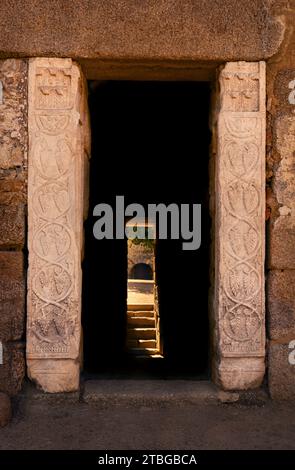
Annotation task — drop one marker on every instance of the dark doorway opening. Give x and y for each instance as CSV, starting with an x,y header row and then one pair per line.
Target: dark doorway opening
x,y
141,271
150,143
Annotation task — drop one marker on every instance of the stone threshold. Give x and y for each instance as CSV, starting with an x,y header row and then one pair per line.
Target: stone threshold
x,y
107,393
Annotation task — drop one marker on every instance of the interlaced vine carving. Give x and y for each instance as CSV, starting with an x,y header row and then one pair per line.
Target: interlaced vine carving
x,y
240,226
54,209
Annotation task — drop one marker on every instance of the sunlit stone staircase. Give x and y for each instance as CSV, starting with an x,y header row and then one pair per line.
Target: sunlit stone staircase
x,y
142,331
142,328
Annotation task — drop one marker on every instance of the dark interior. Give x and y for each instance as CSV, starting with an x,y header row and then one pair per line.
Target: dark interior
x,y
150,143
141,271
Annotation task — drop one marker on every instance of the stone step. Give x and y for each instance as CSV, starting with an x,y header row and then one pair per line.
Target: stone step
x,y
141,322
141,333
141,313
143,352
141,343
133,392
140,307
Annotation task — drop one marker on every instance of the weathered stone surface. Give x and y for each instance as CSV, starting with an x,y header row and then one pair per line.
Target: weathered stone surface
x,y
13,152
281,225
12,296
5,409
12,371
12,227
13,163
10,157
55,375
281,253
282,229
281,374
13,114
13,188
282,91
32,393
109,393
239,227
162,29
55,221
228,397
281,304
139,254
239,373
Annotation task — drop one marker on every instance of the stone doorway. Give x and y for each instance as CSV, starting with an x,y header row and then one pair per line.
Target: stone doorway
x,y
150,143
57,186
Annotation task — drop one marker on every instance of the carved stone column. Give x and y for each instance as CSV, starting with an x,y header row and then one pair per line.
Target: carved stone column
x,y
58,144
239,227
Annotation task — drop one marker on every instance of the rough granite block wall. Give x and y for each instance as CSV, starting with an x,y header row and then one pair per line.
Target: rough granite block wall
x,y
13,203
280,288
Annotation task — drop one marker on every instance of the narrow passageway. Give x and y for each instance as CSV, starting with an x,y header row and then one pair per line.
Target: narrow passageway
x,y
150,143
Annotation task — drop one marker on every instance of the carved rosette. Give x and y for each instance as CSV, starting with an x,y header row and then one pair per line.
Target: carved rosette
x,y
240,211
55,209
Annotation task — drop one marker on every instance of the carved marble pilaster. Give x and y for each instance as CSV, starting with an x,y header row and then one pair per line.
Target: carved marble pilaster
x,y
58,131
239,226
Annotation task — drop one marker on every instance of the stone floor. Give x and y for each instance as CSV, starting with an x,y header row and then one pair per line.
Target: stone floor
x,y
182,416
140,292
